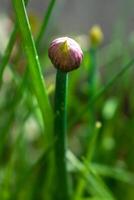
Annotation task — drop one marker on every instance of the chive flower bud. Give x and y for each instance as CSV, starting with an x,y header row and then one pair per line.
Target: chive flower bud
x,y
96,35
65,54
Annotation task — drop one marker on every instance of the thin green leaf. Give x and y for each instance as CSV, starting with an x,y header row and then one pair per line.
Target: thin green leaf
x,y
37,80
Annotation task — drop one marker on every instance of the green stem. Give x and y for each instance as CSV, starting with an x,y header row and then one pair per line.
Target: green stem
x,y
92,72
92,84
62,191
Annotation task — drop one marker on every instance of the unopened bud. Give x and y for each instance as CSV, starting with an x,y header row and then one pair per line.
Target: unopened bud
x,y
96,35
65,54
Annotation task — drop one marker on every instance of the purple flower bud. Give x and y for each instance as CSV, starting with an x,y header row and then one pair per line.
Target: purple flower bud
x,y
65,54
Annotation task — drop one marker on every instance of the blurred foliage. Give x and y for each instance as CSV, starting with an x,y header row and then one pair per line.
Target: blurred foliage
x,y
109,173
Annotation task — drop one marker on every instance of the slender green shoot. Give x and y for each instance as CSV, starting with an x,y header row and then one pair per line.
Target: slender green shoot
x,y
92,71
62,191
88,157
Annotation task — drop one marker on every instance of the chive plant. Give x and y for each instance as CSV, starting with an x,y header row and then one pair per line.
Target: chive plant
x,y
66,55
96,37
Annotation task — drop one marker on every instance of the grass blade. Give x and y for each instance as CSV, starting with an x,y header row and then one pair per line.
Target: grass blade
x,y
45,22
7,52
96,186
36,76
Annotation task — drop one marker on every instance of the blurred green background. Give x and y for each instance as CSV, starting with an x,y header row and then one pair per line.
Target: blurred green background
x,y
22,137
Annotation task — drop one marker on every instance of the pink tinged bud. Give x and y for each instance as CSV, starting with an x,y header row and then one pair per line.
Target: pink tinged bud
x,y
65,54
